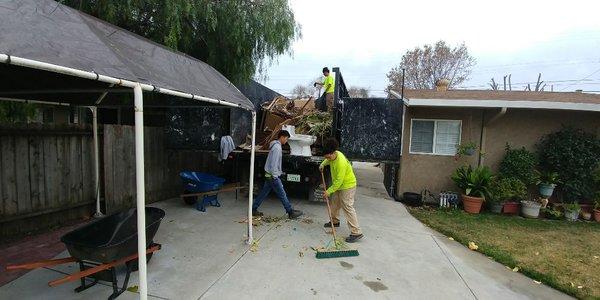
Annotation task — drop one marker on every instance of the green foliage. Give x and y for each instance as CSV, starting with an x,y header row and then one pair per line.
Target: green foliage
x,y
507,189
473,181
551,213
574,155
235,37
315,123
572,206
463,149
13,112
546,177
519,164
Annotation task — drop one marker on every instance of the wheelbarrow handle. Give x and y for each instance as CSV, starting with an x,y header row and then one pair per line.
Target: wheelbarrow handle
x,y
101,267
41,264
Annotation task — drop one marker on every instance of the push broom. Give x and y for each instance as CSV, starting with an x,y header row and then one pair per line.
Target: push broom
x,y
339,249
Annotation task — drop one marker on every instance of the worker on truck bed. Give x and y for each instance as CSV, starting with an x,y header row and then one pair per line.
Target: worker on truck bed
x,y
272,180
342,190
328,84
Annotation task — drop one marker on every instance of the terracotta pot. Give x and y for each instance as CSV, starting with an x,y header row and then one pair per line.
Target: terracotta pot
x,y
472,205
597,215
511,208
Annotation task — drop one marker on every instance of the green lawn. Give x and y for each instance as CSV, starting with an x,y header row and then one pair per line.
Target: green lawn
x,y
561,254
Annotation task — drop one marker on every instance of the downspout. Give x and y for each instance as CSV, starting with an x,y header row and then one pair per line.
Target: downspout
x,y
483,135
251,181
94,110
140,189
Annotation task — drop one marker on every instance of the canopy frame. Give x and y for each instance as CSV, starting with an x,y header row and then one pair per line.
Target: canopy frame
x,y
138,89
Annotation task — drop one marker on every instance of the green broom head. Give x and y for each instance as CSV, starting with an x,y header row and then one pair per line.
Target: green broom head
x,y
339,249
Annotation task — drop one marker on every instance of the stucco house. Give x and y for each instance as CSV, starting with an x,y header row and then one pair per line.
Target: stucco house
x,y
436,121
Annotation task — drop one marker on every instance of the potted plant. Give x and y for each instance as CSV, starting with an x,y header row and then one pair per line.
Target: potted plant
x,y
546,182
474,183
506,191
530,209
572,211
467,149
551,213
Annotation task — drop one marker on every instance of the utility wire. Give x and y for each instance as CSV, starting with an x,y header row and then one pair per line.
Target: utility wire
x,y
586,77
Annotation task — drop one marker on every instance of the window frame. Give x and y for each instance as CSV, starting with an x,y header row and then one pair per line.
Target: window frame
x,y
435,124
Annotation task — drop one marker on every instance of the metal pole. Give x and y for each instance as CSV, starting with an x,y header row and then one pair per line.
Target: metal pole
x,y
140,188
94,110
402,91
251,184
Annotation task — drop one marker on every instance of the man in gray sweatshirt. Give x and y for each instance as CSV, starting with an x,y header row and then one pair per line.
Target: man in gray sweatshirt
x,y
272,181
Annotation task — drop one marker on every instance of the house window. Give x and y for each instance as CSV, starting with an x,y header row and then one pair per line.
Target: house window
x,y
439,137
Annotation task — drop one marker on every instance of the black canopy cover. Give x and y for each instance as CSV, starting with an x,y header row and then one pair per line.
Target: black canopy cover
x,y
47,31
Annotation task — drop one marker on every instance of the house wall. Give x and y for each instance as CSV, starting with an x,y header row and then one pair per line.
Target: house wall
x,y
428,171
518,128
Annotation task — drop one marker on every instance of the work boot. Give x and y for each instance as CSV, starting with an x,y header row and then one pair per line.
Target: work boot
x,y
353,238
256,213
294,214
328,225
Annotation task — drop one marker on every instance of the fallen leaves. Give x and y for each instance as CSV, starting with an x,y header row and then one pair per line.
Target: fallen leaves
x,y
254,246
451,238
537,282
133,288
515,269
473,246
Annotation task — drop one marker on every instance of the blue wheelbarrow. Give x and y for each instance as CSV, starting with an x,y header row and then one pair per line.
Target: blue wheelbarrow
x,y
201,183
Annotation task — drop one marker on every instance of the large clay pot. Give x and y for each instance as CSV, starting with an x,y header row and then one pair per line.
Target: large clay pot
x,y
511,208
472,205
597,215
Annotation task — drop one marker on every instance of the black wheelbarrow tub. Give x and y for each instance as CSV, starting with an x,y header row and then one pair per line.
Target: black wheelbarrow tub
x,y
112,237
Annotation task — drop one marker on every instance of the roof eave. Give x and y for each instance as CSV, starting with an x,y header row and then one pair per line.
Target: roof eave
x,y
503,103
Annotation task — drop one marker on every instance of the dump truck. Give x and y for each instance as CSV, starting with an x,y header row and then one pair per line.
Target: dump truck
x,y
368,129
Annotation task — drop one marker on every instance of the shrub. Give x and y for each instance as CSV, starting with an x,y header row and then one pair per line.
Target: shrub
x,y
507,189
574,155
519,164
473,182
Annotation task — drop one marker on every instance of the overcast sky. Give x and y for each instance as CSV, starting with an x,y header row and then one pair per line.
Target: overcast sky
x,y
560,39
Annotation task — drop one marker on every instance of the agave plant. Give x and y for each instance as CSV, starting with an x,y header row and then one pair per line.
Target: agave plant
x,y
473,182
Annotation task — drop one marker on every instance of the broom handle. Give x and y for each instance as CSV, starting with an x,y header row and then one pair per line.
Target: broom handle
x,y
328,207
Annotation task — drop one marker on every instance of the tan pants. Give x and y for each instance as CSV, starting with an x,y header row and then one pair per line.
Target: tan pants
x,y
329,101
345,200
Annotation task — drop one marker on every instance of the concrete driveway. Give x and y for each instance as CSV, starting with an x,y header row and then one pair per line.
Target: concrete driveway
x,y
204,256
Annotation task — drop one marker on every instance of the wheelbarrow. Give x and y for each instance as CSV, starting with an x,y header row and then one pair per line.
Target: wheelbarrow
x,y
197,184
102,246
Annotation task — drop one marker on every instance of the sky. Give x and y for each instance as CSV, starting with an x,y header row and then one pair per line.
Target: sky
x,y
365,39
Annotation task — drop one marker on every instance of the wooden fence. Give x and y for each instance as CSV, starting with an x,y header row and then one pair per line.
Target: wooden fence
x,y
47,172
162,166
43,170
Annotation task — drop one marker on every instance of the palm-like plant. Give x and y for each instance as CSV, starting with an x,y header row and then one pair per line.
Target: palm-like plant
x,y
473,182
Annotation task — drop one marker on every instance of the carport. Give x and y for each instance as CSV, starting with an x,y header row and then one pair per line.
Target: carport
x,y
52,54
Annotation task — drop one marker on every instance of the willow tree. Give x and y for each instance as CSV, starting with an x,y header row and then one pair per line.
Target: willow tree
x,y
238,38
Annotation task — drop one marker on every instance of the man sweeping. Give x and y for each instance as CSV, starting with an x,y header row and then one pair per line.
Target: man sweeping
x,y
272,180
342,190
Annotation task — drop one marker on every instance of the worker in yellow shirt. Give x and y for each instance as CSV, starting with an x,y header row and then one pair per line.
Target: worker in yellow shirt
x,y
342,190
328,84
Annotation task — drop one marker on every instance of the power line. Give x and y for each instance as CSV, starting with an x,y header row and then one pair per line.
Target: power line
x,y
586,77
